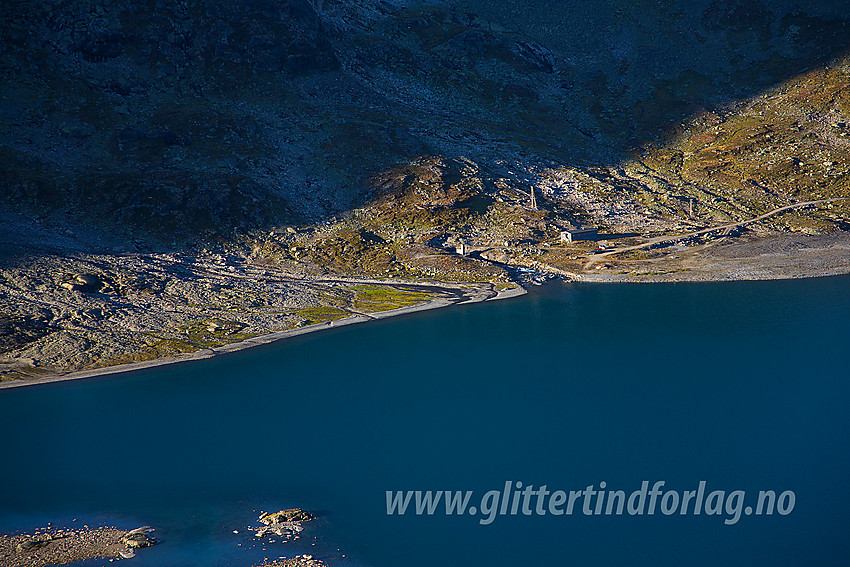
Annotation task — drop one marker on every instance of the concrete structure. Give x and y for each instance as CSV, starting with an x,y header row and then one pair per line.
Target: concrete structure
x,y
579,234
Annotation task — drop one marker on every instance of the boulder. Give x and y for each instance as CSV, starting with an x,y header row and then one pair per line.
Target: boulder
x,y
30,545
87,283
138,538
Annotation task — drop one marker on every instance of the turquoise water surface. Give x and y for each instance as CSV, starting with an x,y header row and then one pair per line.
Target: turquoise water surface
x,y
742,385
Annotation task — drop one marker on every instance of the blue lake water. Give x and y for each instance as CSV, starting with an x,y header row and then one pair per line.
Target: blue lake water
x,y
742,385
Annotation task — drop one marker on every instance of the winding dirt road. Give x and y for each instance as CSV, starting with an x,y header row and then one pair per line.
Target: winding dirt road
x,y
660,239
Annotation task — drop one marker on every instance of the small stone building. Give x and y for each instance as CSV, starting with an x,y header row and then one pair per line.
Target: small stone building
x,y
579,234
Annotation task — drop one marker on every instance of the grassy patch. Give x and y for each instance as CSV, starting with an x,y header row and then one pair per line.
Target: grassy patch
x,y
214,332
380,298
322,314
208,333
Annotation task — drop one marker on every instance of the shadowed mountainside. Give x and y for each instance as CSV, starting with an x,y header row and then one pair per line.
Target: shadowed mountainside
x,y
200,119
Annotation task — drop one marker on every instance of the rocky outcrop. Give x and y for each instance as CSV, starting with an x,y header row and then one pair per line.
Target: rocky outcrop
x,y
88,283
285,523
288,515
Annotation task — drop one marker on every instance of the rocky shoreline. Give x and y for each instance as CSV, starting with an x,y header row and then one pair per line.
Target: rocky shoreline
x,y
124,312
754,258
440,295
60,546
